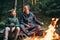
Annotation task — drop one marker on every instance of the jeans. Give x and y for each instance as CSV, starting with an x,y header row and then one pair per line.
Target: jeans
x,y
29,31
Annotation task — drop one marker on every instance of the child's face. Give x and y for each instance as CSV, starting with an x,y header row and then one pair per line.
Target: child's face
x,y
13,13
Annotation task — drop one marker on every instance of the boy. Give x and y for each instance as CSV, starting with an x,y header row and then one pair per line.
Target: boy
x,y
12,24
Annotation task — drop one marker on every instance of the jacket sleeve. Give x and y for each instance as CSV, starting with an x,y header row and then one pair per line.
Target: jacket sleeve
x,y
21,20
17,23
7,23
36,20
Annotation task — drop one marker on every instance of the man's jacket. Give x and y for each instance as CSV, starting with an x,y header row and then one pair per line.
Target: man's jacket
x,y
30,18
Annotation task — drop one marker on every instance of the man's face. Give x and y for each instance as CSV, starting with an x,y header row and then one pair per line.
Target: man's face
x,y
26,9
13,13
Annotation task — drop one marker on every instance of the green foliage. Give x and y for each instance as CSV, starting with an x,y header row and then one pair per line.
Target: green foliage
x,y
52,8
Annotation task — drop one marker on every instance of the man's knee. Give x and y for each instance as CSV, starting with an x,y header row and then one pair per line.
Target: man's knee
x,y
39,26
22,25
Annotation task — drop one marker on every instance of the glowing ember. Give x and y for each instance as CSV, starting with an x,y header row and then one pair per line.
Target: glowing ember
x,y
50,32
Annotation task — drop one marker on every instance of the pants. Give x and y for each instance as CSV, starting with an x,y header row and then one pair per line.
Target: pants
x,y
7,29
29,31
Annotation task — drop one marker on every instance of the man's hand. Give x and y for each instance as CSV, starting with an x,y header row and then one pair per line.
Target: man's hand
x,y
12,24
28,26
41,23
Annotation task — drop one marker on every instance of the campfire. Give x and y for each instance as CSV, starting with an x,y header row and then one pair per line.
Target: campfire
x,y
49,34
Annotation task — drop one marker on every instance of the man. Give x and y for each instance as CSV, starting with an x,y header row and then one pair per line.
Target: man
x,y
12,24
26,20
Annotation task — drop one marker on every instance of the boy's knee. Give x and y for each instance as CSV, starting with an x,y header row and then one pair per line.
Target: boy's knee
x,y
18,28
7,28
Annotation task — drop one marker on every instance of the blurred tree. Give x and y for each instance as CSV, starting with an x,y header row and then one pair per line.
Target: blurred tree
x,y
38,7
51,8
6,5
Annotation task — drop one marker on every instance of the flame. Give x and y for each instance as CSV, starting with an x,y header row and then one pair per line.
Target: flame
x,y
50,32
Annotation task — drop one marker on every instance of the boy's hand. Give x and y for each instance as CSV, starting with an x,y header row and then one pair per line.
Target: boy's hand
x,y
12,24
